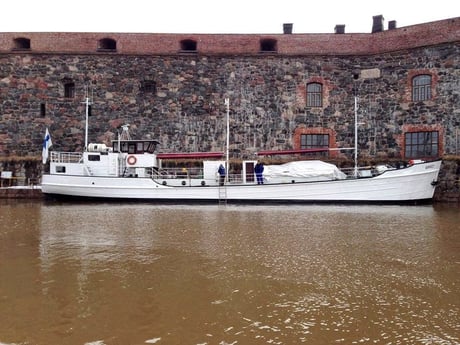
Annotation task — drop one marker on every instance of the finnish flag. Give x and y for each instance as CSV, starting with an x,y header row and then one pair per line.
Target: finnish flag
x,y
46,145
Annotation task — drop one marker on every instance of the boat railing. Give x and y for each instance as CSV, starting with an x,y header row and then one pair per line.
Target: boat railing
x,y
66,157
188,173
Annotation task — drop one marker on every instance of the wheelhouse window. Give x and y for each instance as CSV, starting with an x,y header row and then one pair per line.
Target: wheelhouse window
x,y
268,45
135,147
421,88
314,95
422,144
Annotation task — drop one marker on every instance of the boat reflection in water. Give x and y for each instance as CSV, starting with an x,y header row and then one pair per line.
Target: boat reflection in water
x,y
179,274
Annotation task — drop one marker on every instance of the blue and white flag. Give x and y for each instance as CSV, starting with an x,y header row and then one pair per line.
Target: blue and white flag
x,y
46,145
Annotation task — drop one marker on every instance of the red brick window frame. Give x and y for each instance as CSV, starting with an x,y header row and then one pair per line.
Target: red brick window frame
x,y
422,89
422,142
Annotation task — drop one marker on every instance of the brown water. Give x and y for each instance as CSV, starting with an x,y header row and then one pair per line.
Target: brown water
x,y
103,274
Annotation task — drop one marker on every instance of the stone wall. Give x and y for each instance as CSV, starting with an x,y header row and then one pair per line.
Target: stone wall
x,y
267,95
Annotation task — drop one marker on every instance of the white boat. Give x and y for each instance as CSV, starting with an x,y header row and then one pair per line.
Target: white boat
x,y
132,169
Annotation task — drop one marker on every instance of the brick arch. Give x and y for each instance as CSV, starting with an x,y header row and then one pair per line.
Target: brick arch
x,y
302,90
416,72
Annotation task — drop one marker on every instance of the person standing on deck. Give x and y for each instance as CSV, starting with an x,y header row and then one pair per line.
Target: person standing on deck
x,y
221,172
259,169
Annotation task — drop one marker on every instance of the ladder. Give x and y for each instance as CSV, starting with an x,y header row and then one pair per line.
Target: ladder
x,y
223,194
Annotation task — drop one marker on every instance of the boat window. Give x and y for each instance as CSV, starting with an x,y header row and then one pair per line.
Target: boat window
x,y
94,158
131,148
421,88
150,147
60,169
314,95
421,144
124,147
140,147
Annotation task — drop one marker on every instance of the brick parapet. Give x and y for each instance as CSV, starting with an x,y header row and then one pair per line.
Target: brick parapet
x,y
409,37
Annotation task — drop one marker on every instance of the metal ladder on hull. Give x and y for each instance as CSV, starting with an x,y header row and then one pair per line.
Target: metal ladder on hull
x,y
223,195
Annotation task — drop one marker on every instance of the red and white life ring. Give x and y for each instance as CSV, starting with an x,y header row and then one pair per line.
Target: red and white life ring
x,y
131,160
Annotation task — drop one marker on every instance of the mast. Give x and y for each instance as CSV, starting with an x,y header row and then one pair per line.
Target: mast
x,y
87,103
227,104
356,138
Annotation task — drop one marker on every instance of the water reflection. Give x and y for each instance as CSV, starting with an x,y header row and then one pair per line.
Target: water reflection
x,y
206,274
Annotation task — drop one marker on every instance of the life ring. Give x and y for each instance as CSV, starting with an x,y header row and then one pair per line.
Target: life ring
x,y
131,160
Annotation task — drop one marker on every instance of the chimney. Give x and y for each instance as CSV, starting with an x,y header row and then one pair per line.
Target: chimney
x,y
377,25
392,25
287,28
339,29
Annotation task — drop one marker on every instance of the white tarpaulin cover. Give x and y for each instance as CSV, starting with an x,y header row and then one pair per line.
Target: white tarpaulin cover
x,y
310,169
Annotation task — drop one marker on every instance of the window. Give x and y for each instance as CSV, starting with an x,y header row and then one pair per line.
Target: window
x,y
148,86
421,88
21,43
421,144
94,158
69,89
42,109
107,44
314,95
268,45
315,141
188,45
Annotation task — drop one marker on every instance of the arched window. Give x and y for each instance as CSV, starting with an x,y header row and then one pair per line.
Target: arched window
x,y
421,88
314,95
268,45
21,43
107,44
188,45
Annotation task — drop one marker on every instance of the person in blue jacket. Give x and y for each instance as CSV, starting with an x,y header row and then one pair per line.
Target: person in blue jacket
x,y
221,172
259,169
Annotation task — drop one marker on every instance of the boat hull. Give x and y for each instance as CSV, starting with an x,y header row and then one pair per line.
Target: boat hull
x,y
414,183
